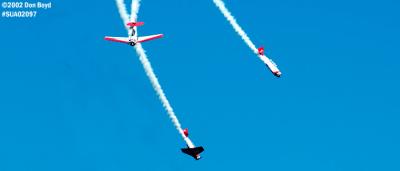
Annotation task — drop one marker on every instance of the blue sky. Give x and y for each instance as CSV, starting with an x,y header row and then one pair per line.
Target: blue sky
x,y
71,101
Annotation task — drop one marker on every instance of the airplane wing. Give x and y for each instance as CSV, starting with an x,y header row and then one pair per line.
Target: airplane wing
x,y
117,39
148,38
193,151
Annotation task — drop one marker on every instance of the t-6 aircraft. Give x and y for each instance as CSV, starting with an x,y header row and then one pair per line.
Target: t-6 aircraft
x,y
133,39
269,63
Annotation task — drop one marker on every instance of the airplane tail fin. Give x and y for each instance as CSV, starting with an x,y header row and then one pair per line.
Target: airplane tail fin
x,y
133,24
194,152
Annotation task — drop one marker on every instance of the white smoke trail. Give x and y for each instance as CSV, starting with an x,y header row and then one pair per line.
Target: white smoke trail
x,y
146,63
123,12
134,9
221,6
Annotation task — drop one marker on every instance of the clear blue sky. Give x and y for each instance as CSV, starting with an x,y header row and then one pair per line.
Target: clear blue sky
x,y
71,101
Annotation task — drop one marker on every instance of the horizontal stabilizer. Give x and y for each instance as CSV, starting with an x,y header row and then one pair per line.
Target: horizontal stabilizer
x,y
133,24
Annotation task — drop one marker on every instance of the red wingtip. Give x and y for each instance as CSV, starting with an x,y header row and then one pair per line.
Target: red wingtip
x,y
186,132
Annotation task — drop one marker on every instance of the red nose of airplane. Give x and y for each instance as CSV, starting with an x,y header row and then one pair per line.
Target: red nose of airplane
x,y
261,50
186,132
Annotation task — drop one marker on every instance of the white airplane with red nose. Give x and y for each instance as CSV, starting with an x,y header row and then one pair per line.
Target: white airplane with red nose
x,y
133,39
269,63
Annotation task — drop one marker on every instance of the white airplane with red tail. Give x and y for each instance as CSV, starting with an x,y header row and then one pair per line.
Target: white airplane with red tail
x,y
133,39
191,150
269,63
